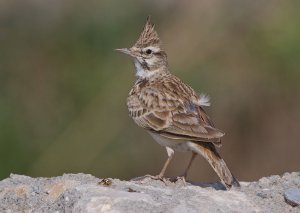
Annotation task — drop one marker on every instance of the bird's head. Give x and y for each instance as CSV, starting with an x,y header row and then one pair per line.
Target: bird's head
x,y
148,56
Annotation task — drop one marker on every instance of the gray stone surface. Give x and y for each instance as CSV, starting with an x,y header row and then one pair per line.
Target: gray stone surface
x,y
85,193
292,196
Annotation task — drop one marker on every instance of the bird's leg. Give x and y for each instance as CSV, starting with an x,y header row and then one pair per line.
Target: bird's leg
x,y
184,175
170,156
194,154
160,176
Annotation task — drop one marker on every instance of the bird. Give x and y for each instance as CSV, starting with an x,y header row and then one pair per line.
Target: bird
x,y
170,110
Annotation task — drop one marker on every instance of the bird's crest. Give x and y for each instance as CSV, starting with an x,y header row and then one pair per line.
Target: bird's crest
x,y
148,37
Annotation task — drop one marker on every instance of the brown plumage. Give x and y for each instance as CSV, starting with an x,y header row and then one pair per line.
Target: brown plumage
x,y
169,109
148,37
168,106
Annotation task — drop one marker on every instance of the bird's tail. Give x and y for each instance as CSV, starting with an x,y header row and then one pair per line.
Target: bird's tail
x,y
209,152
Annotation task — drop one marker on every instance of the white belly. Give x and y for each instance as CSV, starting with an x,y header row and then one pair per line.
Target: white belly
x,y
177,145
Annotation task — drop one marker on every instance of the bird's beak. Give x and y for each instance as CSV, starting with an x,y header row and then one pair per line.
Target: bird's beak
x,y
125,51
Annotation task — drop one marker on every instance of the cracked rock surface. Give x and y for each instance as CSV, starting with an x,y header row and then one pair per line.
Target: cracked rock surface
x,y
86,193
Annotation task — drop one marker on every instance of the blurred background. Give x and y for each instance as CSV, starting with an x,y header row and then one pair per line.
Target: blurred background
x,y
63,88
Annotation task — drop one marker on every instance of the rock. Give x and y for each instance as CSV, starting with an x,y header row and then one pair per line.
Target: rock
x,y
85,193
292,196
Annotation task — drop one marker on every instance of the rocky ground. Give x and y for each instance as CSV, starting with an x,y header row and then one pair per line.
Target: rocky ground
x,y
85,193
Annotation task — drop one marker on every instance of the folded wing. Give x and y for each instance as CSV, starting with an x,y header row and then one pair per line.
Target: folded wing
x,y
173,112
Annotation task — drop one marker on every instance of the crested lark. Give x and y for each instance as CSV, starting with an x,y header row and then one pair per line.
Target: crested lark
x,y
169,109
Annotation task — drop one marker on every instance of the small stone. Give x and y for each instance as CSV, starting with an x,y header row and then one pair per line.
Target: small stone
x,y
262,195
292,196
131,190
105,182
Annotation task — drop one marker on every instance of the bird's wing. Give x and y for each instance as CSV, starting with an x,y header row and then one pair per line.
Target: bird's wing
x,y
171,110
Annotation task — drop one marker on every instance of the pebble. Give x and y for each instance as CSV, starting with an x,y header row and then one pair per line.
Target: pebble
x,y
292,196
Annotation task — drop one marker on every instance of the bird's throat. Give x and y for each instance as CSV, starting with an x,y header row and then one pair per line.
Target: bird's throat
x,y
145,72
142,72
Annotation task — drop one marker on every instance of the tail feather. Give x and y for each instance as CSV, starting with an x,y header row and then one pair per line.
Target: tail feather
x,y
209,152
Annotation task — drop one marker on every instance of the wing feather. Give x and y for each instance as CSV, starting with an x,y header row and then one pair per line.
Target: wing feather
x,y
171,108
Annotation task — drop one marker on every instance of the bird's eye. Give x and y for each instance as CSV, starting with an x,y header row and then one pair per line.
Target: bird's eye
x,y
148,51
